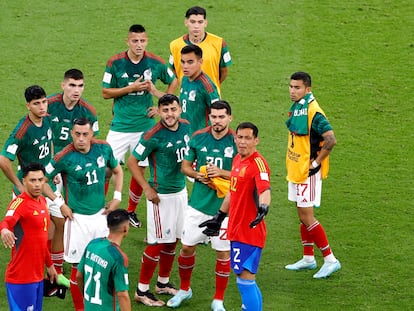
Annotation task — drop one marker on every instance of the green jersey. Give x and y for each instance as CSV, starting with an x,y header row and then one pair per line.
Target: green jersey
x,y
29,143
130,111
165,150
204,148
83,175
105,272
196,97
62,119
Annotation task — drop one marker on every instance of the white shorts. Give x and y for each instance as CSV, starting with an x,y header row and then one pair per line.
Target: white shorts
x,y
307,194
80,231
193,234
165,220
54,210
121,143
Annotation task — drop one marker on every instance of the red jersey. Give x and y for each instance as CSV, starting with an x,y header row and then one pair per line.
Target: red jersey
x,y
249,178
29,220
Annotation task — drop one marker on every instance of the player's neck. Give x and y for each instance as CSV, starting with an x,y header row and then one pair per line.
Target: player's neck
x,y
197,39
134,58
219,135
195,75
68,103
37,121
115,238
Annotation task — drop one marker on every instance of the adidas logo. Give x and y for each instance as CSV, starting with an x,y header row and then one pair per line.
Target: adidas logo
x,y
204,149
169,145
236,267
78,168
35,142
35,213
125,75
55,119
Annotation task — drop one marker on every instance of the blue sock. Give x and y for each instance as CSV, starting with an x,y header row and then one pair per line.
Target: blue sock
x,y
250,295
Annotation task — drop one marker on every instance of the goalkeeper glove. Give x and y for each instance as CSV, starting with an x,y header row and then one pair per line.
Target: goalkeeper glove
x,y
214,224
262,211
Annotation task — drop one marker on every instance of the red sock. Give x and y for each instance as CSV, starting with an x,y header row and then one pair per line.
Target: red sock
x,y
76,294
57,259
106,186
222,277
318,234
167,257
185,269
307,241
149,262
135,192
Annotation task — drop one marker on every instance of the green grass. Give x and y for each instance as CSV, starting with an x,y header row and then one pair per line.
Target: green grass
x,y
360,56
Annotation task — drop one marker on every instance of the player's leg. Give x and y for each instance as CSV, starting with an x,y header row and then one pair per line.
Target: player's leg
x,y
222,271
245,262
167,257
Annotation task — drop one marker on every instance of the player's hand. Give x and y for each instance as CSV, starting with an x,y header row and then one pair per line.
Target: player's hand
x,y
152,112
8,238
140,85
66,211
214,224
262,211
111,206
152,195
53,276
212,170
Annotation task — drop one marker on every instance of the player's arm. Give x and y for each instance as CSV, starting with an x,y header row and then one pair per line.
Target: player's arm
x,y
118,180
138,172
223,73
329,143
172,87
58,201
6,228
213,225
187,169
138,86
79,279
124,301
7,168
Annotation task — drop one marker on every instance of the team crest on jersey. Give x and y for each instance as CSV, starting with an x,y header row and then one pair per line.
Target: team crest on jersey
x,y
100,161
192,95
228,152
148,74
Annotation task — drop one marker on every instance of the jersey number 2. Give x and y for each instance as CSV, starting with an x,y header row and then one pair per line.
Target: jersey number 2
x,y
97,280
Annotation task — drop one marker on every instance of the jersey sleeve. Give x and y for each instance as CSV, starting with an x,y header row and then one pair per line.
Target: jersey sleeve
x,y
225,59
109,78
53,168
190,154
144,148
320,124
112,162
121,280
166,74
262,175
13,214
11,147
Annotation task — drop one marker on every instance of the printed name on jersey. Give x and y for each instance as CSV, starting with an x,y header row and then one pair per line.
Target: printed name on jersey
x,y
140,149
107,77
12,148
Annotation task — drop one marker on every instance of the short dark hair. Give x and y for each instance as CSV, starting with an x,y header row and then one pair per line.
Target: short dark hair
x,y
82,121
167,99
116,218
32,167
221,104
74,74
196,10
303,76
192,48
248,125
137,28
34,92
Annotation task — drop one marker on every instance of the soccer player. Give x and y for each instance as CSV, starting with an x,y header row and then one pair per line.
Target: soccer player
x,y
247,203
68,105
165,146
63,108
103,270
310,141
31,139
24,229
129,80
82,165
197,91
213,149
217,57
